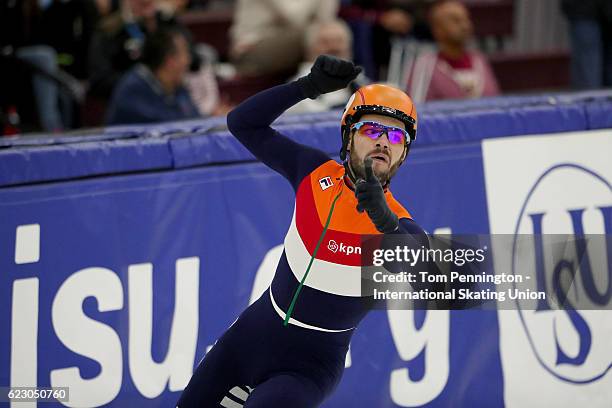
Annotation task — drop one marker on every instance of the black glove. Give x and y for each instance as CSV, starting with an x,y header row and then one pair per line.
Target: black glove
x,y
371,198
327,74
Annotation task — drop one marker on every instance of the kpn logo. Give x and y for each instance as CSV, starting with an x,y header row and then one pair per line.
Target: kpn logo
x,y
570,250
343,248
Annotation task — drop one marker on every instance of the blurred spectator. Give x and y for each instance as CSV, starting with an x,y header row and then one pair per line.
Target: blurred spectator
x,y
377,22
24,62
202,84
106,7
268,35
173,7
117,44
329,37
453,71
332,38
590,24
153,91
67,26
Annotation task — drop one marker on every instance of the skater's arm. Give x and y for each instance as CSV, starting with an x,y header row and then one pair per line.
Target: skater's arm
x,y
251,121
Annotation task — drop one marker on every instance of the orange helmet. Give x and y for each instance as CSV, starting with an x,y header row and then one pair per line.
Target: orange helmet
x,y
382,100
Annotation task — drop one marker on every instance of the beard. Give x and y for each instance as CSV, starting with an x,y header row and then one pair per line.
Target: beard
x,y
358,167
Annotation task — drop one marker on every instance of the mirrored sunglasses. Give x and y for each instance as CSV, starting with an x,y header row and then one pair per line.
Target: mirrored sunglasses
x,y
374,130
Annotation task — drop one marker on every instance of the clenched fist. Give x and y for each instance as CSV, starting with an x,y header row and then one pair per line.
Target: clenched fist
x,y
327,74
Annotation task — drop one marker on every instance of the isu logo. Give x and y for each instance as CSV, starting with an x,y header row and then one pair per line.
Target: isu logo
x,y
571,343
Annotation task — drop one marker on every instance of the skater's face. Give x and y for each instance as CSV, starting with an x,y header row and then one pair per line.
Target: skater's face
x,y
387,152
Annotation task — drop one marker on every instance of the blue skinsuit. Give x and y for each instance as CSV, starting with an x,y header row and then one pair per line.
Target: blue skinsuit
x,y
300,364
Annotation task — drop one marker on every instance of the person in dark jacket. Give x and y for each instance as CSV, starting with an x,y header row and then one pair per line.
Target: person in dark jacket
x,y
590,25
153,91
117,43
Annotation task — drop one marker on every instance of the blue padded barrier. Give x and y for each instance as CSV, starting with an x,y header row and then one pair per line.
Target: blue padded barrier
x,y
22,165
599,114
30,159
116,285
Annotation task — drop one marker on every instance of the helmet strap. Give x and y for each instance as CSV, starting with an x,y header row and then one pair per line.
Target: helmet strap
x,y
348,170
345,156
346,137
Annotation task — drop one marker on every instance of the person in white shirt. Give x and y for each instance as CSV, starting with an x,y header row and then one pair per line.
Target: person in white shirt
x,y
267,36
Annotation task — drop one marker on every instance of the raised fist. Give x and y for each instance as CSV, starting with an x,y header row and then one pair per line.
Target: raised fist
x,y
371,199
328,74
